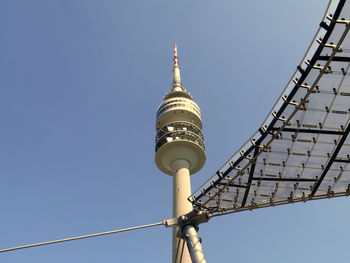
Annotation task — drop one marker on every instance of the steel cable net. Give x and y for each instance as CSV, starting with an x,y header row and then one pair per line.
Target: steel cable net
x,y
302,150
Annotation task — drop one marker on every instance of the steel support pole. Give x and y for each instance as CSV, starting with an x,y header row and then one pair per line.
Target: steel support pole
x,y
194,244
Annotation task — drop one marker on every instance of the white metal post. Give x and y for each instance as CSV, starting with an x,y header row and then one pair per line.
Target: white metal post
x,y
194,244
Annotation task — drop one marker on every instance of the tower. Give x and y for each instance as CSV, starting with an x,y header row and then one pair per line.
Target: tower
x,y
180,149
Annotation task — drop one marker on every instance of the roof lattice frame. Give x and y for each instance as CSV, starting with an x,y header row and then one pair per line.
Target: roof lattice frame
x,y
302,150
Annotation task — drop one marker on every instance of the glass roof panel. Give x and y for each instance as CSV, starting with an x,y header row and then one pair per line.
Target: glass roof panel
x,y
301,152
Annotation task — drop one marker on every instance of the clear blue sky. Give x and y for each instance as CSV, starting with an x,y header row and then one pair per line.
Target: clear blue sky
x,y
80,82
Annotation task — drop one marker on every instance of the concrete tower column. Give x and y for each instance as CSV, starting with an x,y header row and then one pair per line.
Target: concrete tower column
x,y
181,206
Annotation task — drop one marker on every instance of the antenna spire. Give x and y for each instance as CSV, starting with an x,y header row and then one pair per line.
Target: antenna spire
x,y
176,69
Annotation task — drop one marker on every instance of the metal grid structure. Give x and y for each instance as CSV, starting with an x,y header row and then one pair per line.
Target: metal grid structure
x,y
302,150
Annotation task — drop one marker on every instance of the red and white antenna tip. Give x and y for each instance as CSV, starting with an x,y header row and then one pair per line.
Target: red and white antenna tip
x,y
176,70
175,49
176,58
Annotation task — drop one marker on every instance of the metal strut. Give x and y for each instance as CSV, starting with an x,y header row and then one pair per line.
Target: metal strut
x,y
188,228
194,244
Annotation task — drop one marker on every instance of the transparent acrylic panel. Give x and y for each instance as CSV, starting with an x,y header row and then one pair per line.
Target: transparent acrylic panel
x,y
301,151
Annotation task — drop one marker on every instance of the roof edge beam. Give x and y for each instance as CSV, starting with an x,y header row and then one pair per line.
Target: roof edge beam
x,y
299,130
335,58
250,179
284,179
233,185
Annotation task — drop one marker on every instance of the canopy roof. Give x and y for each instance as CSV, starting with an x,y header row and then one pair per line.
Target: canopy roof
x,y
302,150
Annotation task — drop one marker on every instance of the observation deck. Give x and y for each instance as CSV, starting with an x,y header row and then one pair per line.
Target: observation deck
x,y
179,128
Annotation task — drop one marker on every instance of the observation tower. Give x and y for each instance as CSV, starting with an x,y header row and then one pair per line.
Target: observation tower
x,y
180,150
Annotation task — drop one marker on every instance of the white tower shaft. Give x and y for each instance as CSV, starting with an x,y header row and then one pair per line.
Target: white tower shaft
x,y
181,206
180,150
